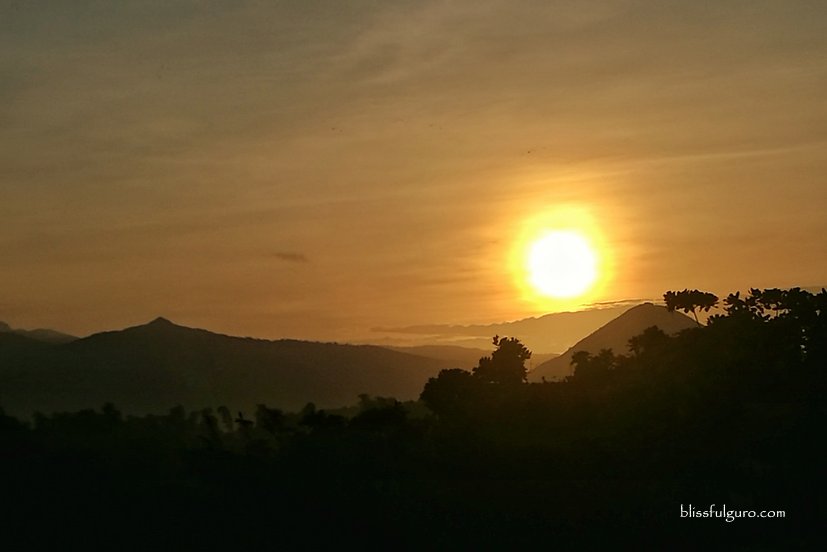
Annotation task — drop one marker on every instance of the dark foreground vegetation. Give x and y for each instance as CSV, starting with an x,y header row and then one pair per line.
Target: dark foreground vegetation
x,y
730,413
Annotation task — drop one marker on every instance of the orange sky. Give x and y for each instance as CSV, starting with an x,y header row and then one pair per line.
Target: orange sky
x,y
316,169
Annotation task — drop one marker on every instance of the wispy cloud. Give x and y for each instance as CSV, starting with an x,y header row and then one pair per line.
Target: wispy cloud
x,y
619,303
291,257
402,144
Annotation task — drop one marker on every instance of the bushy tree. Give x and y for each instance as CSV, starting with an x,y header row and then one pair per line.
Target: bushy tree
x,y
506,365
446,393
650,340
455,390
589,368
690,301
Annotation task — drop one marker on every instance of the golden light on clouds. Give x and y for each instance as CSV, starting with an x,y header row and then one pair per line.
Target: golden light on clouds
x,y
560,259
286,169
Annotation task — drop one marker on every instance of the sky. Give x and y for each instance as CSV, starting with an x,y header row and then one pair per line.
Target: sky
x,y
319,169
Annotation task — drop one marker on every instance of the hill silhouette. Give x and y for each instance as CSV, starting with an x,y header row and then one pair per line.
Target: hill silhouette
x,y
39,334
615,336
148,368
547,334
16,346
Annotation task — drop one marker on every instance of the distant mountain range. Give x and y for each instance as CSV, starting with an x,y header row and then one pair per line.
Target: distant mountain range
x,y
551,333
48,336
153,367
615,336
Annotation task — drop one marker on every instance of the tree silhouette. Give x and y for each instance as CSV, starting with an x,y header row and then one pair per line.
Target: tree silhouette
x,y
690,301
226,418
593,368
269,419
446,393
244,424
506,365
652,339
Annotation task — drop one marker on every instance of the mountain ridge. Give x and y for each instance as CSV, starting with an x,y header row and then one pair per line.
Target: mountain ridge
x,y
151,367
551,333
38,334
614,335
155,366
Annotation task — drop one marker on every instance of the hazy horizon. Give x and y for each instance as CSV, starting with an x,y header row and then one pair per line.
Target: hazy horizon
x,y
545,334
314,170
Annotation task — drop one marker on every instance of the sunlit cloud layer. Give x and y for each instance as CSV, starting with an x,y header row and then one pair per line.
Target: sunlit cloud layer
x,y
315,169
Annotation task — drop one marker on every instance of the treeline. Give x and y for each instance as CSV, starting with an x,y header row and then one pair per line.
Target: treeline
x,y
727,413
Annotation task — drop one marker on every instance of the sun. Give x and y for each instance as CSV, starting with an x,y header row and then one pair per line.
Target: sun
x,y
560,259
561,264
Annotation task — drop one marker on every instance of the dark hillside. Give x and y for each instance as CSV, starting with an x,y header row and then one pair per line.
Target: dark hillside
x,y
152,367
615,336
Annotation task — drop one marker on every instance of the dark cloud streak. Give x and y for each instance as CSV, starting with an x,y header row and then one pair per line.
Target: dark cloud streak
x,y
291,257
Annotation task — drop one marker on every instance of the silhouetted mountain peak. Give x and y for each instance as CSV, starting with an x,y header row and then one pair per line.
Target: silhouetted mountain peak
x,y
643,307
150,366
615,335
4,327
162,327
162,322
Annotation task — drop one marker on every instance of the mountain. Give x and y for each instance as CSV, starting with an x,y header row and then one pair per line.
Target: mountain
x,y
453,355
13,345
461,357
40,334
615,336
153,367
550,333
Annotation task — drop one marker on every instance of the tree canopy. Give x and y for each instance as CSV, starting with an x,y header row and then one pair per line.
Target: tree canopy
x,y
690,301
506,365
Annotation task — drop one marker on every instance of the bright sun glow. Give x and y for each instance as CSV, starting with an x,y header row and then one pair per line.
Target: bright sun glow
x,y
559,258
562,264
